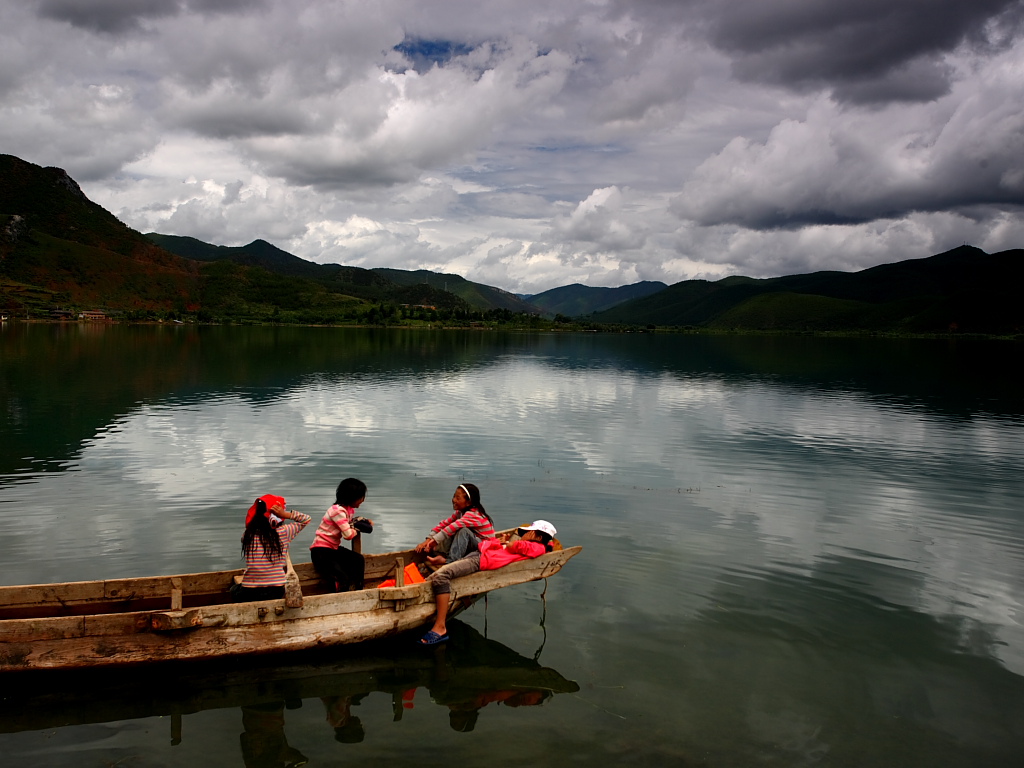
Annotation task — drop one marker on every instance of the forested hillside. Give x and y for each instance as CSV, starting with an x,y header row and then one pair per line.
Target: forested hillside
x,y
963,290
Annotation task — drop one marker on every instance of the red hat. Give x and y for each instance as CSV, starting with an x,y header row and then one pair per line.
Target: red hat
x,y
271,502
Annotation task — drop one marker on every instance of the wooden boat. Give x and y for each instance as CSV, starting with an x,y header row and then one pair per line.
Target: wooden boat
x,y
191,616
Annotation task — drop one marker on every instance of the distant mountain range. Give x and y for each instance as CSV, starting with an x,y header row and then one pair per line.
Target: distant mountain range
x,y
964,290
578,300
58,249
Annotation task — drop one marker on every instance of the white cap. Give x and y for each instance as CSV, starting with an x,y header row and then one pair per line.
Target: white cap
x,y
543,526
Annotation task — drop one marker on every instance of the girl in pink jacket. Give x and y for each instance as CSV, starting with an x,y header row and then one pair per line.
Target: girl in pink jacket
x,y
492,554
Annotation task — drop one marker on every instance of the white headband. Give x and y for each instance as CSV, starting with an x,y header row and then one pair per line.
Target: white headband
x,y
470,495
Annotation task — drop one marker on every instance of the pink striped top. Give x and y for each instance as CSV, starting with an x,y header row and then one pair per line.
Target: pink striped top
x,y
468,518
262,570
336,525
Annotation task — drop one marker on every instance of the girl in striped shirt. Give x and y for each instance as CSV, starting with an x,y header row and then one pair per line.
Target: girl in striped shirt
x,y
457,536
269,529
339,566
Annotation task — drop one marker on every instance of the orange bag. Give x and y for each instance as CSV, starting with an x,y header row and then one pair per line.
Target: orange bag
x,y
412,576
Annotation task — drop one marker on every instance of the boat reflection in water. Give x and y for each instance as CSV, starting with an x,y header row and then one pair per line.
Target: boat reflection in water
x,y
466,675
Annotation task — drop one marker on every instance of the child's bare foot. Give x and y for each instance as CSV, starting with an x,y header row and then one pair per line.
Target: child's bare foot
x,y
437,560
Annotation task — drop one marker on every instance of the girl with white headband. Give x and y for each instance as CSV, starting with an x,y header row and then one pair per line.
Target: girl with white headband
x,y
455,537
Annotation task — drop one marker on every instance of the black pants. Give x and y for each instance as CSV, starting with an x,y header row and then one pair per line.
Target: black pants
x,y
340,567
242,594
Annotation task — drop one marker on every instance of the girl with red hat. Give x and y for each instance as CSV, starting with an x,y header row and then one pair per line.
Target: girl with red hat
x,y
269,529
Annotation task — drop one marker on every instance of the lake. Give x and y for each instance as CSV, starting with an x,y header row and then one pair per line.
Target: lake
x,y
798,551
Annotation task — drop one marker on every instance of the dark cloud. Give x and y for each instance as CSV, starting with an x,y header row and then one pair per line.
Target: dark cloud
x,y
866,52
210,7
234,121
119,16
108,16
918,80
324,173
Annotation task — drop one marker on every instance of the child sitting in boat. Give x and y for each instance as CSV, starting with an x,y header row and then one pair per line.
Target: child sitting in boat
x,y
455,537
340,567
269,529
493,553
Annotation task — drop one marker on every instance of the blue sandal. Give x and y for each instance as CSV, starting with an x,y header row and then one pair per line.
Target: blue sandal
x,y
432,638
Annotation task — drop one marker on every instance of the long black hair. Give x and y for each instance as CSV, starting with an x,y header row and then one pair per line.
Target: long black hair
x,y
474,500
260,528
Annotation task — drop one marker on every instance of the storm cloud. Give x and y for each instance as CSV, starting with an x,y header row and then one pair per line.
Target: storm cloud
x,y
528,144
873,51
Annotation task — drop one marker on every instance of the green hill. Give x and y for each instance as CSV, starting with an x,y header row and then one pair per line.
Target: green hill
x,y
395,285
253,279
477,295
965,290
352,281
577,300
57,246
48,200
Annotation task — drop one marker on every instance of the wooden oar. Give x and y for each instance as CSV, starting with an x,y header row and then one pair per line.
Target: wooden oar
x,y
292,588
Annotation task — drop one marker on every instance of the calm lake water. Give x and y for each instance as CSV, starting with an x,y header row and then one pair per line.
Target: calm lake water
x,y
797,551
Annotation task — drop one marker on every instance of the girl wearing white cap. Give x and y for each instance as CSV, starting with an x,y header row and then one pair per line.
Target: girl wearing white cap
x,y
492,554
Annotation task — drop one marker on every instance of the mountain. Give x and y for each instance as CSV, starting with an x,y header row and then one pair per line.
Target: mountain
x,y
965,290
353,281
57,245
61,251
576,300
476,295
394,285
48,200
260,253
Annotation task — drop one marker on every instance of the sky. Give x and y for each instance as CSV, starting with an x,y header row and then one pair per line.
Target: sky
x,y
527,144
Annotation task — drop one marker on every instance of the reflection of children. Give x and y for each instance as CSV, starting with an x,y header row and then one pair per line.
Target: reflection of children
x,y
340,567
348,729
263,741
269,529
456,536
493,553
462,716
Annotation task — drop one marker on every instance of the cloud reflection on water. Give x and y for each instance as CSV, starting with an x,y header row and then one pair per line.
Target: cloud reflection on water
x,y
758,472
789,543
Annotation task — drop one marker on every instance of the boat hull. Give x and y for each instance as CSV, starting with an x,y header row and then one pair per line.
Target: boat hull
x,y
182,631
